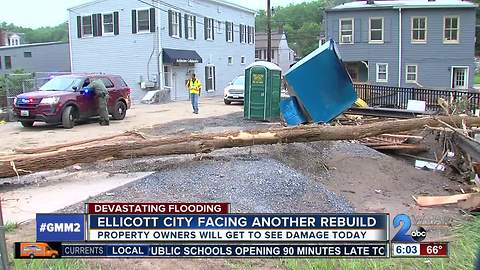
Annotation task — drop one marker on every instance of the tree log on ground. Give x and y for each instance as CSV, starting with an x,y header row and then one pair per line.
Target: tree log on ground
x,y
204,143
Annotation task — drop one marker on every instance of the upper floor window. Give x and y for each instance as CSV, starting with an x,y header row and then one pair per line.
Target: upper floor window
x,y
87,26
143,20
382,72
451,26
419,29
229,31
174,24
209,28
376,30
219,27
243,33
258,54
191,22
251,34
346,31
108,23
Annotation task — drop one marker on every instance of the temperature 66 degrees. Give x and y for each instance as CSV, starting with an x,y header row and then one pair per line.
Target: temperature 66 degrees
x,y
434,249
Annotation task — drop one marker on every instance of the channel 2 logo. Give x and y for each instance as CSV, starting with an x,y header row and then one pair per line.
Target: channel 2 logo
x,y
405,223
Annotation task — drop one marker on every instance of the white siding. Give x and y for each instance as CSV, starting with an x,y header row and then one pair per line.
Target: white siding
x,y
127,54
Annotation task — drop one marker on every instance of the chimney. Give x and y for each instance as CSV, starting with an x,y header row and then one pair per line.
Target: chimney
x,y
3,37
370,2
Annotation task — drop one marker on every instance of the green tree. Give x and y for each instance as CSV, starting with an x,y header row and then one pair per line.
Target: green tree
x,y
42,34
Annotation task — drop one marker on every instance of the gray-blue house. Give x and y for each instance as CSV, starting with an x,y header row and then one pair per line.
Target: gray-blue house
x,y
406,43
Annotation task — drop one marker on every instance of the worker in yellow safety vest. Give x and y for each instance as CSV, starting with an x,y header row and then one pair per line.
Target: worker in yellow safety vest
x,y
194,86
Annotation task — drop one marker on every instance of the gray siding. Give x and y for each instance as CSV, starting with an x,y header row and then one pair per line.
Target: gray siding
x,y
128,54
361,50
434,59
45,58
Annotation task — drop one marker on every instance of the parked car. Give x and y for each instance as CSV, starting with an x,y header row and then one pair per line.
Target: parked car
x,y
62,100
235,91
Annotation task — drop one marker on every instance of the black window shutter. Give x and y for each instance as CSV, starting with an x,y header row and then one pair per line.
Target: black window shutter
x,y
194,27
134,21
79,27
95,25
170,25
116,28
153,24
180,24
227,25
186,25
207,81
214,78
233,31
241,33
213,28
205,24
99,22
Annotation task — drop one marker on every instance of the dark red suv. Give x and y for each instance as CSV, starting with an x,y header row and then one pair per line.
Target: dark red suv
x,y
63,100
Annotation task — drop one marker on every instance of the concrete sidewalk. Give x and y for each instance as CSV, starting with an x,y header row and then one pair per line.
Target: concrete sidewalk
x,y
141,116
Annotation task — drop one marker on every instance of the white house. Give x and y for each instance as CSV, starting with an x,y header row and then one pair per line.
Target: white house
x,y
281,55
156,44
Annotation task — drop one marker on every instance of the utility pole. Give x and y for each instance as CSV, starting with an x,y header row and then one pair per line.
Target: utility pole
x,y
269,32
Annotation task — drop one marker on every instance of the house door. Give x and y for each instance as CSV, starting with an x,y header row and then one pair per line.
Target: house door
x,y
460,77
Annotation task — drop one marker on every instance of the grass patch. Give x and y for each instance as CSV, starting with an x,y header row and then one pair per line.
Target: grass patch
x,y
463,252
61,264
477,78
10,227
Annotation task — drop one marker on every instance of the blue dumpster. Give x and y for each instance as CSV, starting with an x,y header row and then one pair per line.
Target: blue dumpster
x,y
322,84
291,112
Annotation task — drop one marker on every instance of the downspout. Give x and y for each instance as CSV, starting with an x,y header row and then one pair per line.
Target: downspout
x,y
160,79
399,47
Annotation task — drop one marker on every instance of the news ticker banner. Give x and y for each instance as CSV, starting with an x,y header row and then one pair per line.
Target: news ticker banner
x,y
41,250
133,250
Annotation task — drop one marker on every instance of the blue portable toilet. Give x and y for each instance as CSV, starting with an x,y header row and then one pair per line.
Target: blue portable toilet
x,y
322,84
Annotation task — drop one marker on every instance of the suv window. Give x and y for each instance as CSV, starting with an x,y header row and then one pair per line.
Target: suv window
x,y
107,82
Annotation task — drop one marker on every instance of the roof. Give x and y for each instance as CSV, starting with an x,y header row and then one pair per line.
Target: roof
x,y
411,4
261,40
221,2
33,45
266,64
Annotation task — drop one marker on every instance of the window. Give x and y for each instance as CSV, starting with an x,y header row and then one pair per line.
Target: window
x,y
27,54
346,31
8,62
175,27
191,20
273,54
209,29
229,31
460,77
258,54
376,30
108,23
107,82
382,72
219,27
411,73
243,33
0,63
242,60
167,74
251,35
87,26
451,26
143,20
210,78
230,60
419,29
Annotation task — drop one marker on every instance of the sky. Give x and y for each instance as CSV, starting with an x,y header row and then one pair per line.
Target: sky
x,y
37,13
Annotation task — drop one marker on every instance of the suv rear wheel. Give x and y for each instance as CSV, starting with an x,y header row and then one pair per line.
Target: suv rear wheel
x,y
68,117
27,124
120,111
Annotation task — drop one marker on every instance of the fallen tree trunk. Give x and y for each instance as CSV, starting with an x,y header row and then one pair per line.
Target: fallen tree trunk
x,y
205,143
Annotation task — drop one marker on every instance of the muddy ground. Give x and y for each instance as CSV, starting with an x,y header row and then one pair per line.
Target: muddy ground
x,y
313,177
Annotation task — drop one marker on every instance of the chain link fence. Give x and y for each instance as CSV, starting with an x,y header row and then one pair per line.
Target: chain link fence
x,y
14,84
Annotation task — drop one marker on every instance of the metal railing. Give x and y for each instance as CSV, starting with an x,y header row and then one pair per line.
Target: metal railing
x,y
398,97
